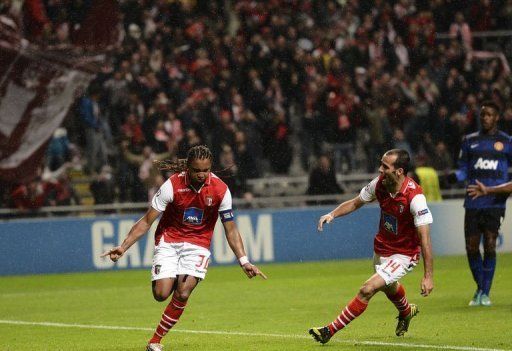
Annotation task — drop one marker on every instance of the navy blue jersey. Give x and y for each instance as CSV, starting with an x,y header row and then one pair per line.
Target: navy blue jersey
x,y
486,158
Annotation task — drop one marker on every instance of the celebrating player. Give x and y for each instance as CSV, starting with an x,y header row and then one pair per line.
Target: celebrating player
x,y
191,201
403,230
485,155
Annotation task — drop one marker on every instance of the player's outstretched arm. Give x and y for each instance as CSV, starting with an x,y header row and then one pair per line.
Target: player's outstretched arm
x,y
342,210
427,282
479,189
136,232
236,244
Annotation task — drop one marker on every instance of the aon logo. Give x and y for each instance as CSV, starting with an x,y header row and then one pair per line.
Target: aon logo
x,y
486,164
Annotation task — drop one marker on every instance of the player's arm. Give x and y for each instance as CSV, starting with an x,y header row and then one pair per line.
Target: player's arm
x,y
234,238
479,189
140,228
461,174
427,283
366,195
236,244
162,198
422,220
342,210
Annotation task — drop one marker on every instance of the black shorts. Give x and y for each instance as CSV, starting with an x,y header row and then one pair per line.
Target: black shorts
x,y
478,221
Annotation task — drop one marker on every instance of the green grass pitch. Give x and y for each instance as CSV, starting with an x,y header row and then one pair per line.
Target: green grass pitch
x,y
115,310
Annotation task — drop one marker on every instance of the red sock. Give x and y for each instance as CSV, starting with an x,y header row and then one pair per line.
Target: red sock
x,y
353,309
170,317
400,301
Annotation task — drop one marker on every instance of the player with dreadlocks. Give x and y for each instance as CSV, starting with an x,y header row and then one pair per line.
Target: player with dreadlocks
x,y
191,201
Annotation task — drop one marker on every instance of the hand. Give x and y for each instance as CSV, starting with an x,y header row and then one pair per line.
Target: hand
x,y
477,190
251,271
114,253
427,284
328,218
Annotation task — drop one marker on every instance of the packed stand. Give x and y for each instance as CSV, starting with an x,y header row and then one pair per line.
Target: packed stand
x,y
264,82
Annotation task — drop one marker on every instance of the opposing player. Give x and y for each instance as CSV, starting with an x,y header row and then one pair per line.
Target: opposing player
x,y
485,155
404,231
191,201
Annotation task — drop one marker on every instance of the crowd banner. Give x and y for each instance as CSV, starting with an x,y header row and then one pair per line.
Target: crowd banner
x,y
36,92
286,235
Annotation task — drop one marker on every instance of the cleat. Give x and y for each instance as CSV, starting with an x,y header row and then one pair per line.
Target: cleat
x,y
476,299
485,300
155,347
403,322
322,335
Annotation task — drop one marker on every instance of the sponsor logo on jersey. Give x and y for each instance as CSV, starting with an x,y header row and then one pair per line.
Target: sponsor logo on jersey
x,y
390,223
158,193
193,215
472,146
482,163
411,185
498,146
423,212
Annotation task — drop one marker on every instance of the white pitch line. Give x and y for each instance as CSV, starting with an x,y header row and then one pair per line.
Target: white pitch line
x,y
220,332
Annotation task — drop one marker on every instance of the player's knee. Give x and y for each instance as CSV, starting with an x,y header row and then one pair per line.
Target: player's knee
x,y
160,295
490,253
472,250
182,295
367,291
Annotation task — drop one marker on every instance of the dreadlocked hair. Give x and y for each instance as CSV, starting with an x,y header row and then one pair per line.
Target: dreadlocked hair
x,y
198,152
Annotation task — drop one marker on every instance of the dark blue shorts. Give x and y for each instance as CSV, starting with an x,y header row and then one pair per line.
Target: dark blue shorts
x,y
476,221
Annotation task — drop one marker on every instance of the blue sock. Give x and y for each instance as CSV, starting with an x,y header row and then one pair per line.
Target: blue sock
x,y
476,266
489,266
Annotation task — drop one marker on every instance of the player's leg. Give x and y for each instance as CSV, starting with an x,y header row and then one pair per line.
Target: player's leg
x,y
396,294
351,311
163,288
472,236
392,269
492,224
185,284
164,282
191,269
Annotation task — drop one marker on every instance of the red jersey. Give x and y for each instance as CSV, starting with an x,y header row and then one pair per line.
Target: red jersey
x,y
400,214
189,214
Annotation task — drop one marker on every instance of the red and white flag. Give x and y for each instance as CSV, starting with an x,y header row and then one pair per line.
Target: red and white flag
x,y
35,96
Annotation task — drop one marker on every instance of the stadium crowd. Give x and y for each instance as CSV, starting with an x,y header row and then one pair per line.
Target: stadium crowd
x,y
264,82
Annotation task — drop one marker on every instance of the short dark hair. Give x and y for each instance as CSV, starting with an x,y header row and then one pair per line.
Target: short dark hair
x,y
403,159
491,104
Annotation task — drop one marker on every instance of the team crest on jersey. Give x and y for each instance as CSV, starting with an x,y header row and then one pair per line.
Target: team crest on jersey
x,y
390,223
401,208
209,200
498,146
193,215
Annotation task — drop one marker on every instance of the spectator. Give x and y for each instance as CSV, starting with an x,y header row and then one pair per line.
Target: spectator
x,y
322,178
58,151
459,29
92,120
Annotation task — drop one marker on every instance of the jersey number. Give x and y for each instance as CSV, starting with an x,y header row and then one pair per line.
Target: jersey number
x,y
204,262
392,265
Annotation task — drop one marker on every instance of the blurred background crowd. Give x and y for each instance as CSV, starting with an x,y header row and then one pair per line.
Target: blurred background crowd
x,y
280,87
